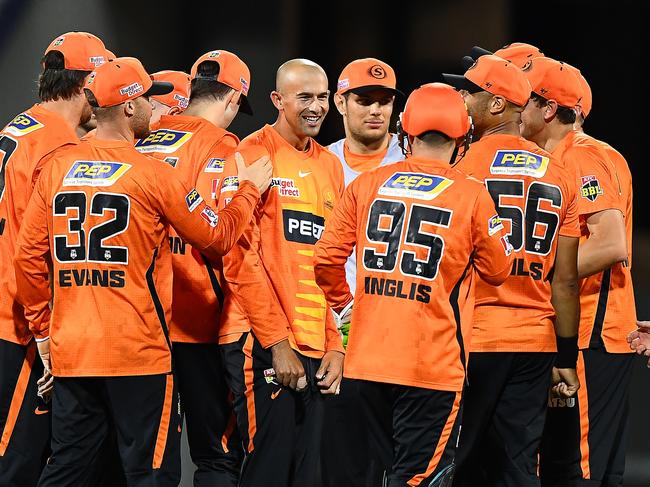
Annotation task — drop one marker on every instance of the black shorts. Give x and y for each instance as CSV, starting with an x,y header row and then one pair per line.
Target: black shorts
x,y
585,437
142,411
503,419
24,418
415,431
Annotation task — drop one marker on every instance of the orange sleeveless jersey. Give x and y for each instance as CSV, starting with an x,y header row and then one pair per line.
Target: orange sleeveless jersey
x,y
192,145
536,202
422,231
279,248
28,138
607,307
103,211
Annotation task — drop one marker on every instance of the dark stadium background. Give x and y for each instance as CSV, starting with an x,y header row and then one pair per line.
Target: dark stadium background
x,y
420,39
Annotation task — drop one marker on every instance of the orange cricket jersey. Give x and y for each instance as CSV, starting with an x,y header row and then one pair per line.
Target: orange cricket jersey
x,y
192,145
607,307
103,211
536,201
24,142
422,231
305,187
363,162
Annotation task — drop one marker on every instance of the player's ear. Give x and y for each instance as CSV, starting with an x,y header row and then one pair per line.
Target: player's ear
x,y
129,108
174,111
234,97
497,105
276,99
549,111
341,104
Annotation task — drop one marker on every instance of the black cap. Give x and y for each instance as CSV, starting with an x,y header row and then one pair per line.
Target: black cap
x,y
478,51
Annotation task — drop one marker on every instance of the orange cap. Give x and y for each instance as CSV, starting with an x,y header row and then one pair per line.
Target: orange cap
x,y
121,80
81,51
496,76
110,54
585,101
180,96
435,106
555,80
233,72
519,53
363,75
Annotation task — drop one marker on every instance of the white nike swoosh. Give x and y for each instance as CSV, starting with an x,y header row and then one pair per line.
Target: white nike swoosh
x,y
303,174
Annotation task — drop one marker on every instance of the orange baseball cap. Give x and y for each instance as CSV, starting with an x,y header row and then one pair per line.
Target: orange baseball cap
x,y
121,80
233,72
518,53
555,80
81,51
367,74
496,76
435,106
111,55
586,100
180,96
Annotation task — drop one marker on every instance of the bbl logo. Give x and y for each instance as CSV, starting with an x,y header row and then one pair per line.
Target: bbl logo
x,y
519,162
95,173
590,188
415,185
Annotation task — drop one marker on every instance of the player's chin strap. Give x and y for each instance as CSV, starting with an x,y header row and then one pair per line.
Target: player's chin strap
x,y
402,137
457,156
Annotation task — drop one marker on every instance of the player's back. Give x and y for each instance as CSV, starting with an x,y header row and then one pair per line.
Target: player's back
x,y
421,226
536,202
28,138
192,145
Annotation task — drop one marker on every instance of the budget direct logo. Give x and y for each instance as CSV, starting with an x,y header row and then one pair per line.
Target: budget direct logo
x,y
23,124
415,185
286,187
95,173
163,140
519,162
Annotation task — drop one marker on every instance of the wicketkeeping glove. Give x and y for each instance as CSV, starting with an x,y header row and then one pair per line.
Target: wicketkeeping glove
x,y
343,322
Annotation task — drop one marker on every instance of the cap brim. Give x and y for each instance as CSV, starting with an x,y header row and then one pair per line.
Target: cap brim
x,y
467,62
245,106
362,90
478,51
459,82
159,88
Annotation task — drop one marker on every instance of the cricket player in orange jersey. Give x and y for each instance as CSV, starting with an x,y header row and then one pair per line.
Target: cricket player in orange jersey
x,y
31,135
282,355
98,224
196,143
172,103
365,96
520,325
518,53
423,232
585,441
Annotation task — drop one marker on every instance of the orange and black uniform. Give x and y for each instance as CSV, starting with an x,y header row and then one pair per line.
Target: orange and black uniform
x,y
99,216
194,146
593,427
422,232
281,428
513,336
24,419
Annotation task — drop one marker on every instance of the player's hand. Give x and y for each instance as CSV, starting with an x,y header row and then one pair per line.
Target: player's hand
x,y
288,367
565,382
330,373
639,339
45,383
259,173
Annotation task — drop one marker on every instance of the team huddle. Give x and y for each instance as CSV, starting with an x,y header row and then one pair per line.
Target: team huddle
x,y
449,305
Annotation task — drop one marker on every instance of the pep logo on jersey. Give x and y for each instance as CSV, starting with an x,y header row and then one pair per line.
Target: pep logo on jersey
x,y
519,162
590,188
23,124
494,225
95,173
193,199
231,183
215,165
302,227
163,140
415,185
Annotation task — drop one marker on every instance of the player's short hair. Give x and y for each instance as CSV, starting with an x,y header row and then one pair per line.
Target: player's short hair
x,y
565,115
56,82
434,138
208,89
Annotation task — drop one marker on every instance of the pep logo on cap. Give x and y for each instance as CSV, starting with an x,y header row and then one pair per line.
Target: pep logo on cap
x,y
163,140
377,71
95,173
519,162
415,185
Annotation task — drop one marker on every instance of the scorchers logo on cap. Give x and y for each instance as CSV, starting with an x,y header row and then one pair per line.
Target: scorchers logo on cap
x,y
163,140
95,173
377,71
415,185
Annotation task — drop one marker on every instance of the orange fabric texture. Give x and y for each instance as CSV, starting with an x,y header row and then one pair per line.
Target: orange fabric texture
x,y
538,203
106,226
192,146
422,232
23,143
278,249
363,162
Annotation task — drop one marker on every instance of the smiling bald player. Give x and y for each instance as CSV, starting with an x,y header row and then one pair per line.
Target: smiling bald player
x,y
282,358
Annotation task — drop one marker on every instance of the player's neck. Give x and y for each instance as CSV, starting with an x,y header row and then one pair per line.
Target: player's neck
x,y
285,131
506,128
69,110
366,149
208,111
114,131
556,133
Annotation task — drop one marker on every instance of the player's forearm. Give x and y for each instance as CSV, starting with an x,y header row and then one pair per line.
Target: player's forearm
x,y
597,254
33,291
331,279
566,302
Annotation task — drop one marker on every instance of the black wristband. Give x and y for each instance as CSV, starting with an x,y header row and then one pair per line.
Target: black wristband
x,y
567,352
